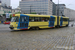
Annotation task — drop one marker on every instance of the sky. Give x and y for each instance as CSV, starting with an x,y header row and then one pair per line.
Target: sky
x,y
15,3
69,3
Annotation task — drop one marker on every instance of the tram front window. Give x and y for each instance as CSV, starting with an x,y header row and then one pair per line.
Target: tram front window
x,y
15,19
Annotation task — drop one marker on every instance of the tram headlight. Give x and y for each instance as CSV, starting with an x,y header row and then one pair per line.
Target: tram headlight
x,y
11,25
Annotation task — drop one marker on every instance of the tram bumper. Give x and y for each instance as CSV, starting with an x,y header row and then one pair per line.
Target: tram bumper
x,y
11,27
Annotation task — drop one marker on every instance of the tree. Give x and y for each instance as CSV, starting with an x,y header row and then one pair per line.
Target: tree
x,y
17,12
33,12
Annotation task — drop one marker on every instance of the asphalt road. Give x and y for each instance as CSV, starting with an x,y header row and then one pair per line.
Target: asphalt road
x,y
45,39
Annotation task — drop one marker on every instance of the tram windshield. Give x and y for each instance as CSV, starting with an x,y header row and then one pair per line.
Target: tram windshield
x,y
15,19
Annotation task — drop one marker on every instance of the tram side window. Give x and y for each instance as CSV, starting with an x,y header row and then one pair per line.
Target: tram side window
x,y
25,19
38,19
21,19
17,19
45,19
31,19
65,19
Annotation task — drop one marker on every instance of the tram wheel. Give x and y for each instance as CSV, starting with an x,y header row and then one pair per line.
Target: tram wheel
x,y
66,25
37,28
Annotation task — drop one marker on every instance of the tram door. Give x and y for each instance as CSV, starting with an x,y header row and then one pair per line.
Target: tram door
x,y
61,21
51,21
24,22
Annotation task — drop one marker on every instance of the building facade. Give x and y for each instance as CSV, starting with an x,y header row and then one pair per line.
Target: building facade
x,y
54,9
7,11
34,0
5,3
61,8
37,6
69,13
46,7
63,11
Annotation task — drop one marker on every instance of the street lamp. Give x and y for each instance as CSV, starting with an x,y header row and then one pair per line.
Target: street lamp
x,y
58,14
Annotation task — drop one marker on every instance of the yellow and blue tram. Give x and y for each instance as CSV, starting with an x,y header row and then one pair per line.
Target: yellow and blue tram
x,y
34,21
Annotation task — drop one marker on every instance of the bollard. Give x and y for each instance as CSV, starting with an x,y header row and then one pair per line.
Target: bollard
x,y
72,25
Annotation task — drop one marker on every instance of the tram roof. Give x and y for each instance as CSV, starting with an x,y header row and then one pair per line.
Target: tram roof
x,y
39,15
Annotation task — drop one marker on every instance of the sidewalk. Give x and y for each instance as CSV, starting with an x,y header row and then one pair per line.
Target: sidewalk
x,y
74,42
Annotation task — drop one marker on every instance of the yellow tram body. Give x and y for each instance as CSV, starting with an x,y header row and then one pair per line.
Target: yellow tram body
x,y
34,21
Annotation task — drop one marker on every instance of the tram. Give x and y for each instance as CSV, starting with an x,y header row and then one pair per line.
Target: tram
x,y
34,21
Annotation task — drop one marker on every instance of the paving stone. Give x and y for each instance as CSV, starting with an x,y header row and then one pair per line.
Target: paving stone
x,y
46,39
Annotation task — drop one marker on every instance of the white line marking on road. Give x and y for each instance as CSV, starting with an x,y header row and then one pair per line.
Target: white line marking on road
x,y
71,47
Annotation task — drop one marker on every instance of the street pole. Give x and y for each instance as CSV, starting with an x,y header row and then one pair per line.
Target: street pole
x,y
30,9
58,14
